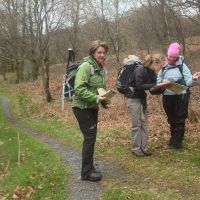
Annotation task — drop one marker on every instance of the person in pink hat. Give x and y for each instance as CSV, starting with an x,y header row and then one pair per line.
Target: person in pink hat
x,y
176,105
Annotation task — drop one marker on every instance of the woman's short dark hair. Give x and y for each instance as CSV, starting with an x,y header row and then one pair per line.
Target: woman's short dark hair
x,y
96,44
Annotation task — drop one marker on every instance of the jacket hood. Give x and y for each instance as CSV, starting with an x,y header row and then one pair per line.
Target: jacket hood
x,y
91,60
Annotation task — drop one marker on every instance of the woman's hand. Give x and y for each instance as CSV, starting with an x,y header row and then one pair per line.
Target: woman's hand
x,y
101,98
196,75
164,84
166,81
104,101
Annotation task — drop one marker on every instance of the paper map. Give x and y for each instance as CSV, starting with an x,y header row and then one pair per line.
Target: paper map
x,y
108,94
176,88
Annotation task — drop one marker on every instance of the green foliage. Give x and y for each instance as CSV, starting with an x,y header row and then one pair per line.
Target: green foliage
x,y
40,174
118,194
136,194
67,133
25,106
22,104
195,158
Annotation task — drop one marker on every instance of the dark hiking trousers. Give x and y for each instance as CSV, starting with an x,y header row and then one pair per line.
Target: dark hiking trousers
x,y
87,119
176,109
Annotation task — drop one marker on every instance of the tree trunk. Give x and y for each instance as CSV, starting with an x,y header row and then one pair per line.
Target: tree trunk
x,y
45,69
35,70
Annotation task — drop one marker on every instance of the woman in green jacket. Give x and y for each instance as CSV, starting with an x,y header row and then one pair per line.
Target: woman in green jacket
x,y
89,77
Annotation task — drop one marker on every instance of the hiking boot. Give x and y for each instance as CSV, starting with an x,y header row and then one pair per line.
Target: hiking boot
x,y
138,153
96,171
172,147
147,152
92,176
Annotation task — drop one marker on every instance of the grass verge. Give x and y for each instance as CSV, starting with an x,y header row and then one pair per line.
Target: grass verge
x,y
29,168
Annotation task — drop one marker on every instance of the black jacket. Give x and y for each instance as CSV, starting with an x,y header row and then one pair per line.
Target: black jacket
x,y
143,78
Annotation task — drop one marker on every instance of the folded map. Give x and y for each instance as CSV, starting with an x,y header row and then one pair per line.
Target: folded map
x,y
174,87
177,88
108,94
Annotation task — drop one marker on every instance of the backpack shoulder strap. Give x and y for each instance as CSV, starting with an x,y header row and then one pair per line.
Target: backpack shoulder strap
x,y
180,67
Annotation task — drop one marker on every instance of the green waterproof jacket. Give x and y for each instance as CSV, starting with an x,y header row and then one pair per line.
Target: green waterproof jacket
x,y
89,77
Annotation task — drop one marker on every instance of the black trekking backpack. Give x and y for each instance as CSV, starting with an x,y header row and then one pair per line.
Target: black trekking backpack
x,y
68,85
124,76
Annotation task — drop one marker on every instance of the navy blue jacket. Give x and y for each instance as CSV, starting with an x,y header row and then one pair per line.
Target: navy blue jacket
x,y
143,78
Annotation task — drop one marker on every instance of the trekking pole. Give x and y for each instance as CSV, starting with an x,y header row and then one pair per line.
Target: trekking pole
x,y
62,95
71,56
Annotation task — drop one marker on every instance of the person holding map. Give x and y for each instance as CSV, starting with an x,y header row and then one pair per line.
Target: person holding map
x,y
141,78
176,98
90,77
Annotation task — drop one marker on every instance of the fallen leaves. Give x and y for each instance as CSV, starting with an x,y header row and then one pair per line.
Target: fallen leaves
x,y
23,192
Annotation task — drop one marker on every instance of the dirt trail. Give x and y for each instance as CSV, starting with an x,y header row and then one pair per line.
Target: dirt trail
x,y
79,190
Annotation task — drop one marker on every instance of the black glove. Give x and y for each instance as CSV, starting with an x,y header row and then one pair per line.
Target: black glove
x,y
156,91
105,103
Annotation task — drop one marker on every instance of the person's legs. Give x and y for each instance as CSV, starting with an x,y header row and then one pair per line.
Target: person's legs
x,y
144,133
176,108
87,119
172,131
134,108
168,105
181,113
179,131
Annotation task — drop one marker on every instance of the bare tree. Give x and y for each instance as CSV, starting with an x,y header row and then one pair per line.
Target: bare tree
x,y
45,11
11,34
42,31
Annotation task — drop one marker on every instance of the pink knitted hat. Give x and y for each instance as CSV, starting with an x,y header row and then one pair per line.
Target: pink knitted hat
x,y
174,49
